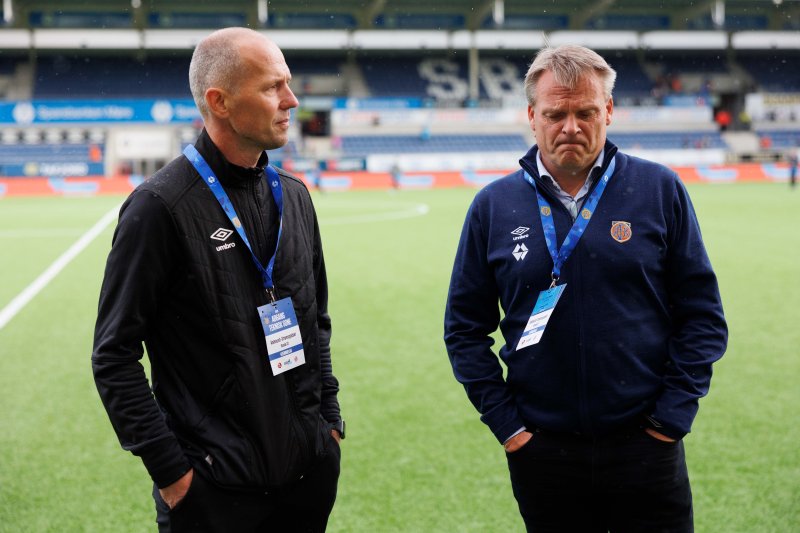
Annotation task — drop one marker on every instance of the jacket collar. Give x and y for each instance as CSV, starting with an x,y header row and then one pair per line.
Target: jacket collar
x,y
230,175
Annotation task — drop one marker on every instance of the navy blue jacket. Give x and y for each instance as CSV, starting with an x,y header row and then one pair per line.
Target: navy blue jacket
x,y
635,332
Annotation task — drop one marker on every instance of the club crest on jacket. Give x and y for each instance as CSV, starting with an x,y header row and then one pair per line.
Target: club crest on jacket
x,y
621,231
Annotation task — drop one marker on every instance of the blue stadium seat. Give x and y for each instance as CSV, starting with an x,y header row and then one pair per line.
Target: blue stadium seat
x,y
112,77
780,139
360,145
773,72
632,81
394,76
702,62
667,140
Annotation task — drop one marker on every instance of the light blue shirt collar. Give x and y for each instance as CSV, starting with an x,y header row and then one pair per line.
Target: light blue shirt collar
x,y
573,204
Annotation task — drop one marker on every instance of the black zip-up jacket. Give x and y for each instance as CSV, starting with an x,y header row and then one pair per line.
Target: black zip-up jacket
x,y
190,292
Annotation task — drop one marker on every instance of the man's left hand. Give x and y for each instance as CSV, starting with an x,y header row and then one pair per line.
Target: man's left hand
x,y
658,436
336,436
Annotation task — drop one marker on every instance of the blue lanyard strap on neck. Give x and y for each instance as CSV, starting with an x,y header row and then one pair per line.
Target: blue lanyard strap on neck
x,y
213,183
560,255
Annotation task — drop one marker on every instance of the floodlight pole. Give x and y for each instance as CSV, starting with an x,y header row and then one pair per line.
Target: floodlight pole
x,y
474,73
263,11
718,14
499,12
8,12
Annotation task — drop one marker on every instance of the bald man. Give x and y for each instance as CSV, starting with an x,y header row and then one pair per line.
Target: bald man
x,y
216,267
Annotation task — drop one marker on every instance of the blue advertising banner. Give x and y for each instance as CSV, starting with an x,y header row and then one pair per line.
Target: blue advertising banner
x,y
378,103
48,112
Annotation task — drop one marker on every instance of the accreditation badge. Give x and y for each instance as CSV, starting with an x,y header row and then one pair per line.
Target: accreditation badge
x,y
545,304
284,343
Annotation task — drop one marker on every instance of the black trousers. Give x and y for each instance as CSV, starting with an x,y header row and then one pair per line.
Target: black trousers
x,y
624,483
302,508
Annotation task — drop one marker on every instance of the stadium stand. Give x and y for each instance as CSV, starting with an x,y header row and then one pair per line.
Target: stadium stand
x,y
388,144
394,76
771,72
779,139
64,76
632,80
703,62
668,140
51,159
172,19
79,19
448,55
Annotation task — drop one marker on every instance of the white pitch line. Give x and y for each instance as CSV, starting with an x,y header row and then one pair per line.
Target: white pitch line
x,y
415,211
23,298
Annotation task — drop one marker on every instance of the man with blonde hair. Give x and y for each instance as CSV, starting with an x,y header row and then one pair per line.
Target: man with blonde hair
x,y
217,267
612,315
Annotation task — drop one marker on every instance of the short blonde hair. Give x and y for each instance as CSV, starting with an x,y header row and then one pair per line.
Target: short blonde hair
x,y
568,63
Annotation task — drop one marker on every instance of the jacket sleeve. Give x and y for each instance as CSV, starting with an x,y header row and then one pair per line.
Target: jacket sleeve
x,y
471,316
699,331
136,274
330,385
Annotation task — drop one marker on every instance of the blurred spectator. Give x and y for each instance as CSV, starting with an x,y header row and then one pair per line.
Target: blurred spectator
x,y
723,119
675,84
744,120
397,175
425,134
793,169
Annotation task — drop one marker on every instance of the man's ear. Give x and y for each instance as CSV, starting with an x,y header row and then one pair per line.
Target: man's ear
x,y
217,102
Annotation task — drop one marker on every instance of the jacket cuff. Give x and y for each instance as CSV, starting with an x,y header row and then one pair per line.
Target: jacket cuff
x,y
666,430
504,424
330,411
165,462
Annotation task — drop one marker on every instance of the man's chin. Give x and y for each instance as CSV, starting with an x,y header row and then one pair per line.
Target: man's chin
x,y
573,161
274,144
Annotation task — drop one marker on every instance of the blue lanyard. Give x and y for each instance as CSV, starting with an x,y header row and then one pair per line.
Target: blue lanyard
x,y
222,197
578,227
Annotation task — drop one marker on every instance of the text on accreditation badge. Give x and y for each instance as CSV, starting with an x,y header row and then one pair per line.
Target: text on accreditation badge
x,y
545,304
284,343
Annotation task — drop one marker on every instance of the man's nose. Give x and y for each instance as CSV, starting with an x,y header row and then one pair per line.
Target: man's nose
x,y
570,126
290,100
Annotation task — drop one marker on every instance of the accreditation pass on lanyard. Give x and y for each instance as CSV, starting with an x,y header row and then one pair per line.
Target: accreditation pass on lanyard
x,y
545,304
284,343
547,300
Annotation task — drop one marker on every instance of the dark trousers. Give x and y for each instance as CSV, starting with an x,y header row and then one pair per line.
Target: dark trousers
x,y
624,483
303,507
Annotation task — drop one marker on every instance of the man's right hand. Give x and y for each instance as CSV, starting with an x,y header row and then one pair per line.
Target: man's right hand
x,y
174,493
517,441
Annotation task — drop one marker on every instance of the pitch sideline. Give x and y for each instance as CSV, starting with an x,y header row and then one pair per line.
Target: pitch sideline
x,y
29,292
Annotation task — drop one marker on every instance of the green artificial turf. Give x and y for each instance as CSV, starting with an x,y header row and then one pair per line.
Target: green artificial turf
x,y
416,458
